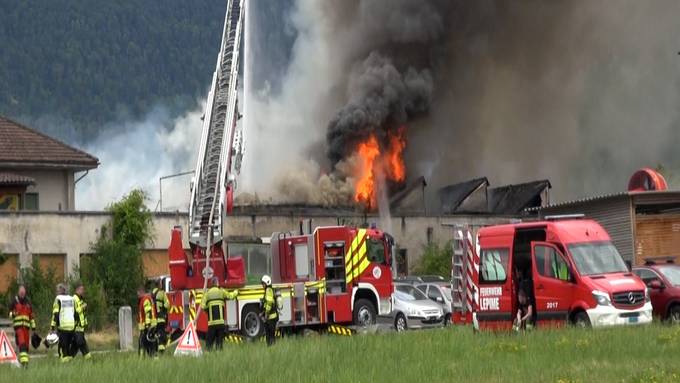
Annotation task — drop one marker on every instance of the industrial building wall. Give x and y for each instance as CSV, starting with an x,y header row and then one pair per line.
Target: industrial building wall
x,y
60,239
614,213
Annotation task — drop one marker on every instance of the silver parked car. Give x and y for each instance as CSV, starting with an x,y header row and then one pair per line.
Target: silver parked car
x,y
412,309
440,293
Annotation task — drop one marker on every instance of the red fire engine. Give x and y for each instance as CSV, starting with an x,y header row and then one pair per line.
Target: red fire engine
x,y
573,272
334,275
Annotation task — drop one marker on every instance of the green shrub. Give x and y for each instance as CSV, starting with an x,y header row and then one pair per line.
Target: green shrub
x,y
41,287
115,268
436,260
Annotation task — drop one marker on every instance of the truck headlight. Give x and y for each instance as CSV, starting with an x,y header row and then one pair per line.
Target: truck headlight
x,y
601,298
647,298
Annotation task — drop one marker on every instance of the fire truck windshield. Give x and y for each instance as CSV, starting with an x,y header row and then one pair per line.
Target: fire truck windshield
x,y
597,258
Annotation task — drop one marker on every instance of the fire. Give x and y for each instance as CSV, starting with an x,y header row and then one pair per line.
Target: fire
x,y
396,170
372,160
367,151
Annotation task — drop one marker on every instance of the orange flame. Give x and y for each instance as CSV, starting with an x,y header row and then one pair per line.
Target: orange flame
x,y
368,151
372,160
396,170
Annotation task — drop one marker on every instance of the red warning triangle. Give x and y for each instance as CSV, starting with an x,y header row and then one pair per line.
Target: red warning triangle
x,y
7,354
188,343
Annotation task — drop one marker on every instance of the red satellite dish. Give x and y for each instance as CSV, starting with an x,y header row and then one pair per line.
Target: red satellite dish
x,y
647,179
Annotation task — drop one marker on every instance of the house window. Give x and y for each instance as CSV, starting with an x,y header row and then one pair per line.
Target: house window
x,y
31,201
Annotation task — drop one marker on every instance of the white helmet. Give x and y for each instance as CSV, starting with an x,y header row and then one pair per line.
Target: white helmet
x,y
52,339
266,280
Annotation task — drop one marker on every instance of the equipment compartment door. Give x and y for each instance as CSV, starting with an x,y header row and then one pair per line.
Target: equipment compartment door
x,y
553,286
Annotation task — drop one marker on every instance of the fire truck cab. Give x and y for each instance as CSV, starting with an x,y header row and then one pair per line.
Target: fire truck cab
x,y
570,268
334,275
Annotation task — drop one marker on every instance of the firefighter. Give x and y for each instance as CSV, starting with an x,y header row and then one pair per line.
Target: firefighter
x,y
162,304
64,321
525,311
21,313
146,322
269,309
213,304
79,342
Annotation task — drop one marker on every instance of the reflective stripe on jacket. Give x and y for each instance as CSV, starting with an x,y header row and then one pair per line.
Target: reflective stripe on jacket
x,y
213,304
269,303
21,313
162,305
146,316
63,313
81,318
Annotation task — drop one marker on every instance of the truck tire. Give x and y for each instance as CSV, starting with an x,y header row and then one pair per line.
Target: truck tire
x,y
674,314
581,320
400,324
364,313
251,322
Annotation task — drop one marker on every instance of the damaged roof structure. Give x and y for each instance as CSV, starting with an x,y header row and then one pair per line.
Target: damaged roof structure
x,y
476,197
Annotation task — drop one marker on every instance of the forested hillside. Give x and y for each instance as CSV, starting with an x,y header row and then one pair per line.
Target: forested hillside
x,y
90,62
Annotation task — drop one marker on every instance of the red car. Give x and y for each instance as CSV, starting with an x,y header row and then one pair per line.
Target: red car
x,y
663,281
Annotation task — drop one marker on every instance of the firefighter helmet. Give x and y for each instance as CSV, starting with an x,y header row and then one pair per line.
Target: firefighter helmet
x,y
51,339
266,280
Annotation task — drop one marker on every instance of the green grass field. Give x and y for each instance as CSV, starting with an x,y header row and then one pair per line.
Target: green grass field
x,y
641,354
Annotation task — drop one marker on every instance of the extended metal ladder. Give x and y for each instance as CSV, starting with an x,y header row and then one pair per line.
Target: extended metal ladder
x,y
218,146
458,267
463,275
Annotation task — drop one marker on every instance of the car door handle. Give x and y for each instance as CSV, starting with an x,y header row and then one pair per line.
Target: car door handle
x,y
539,287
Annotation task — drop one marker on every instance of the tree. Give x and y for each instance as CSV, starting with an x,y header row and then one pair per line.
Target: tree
x,y
116,264
436,260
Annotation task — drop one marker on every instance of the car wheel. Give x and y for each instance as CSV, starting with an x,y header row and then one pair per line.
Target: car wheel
x,y
400,324
674,314
581,320
364,313
252,322
447,320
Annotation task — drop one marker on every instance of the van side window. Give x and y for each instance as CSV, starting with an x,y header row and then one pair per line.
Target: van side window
x,y
493,266
550,264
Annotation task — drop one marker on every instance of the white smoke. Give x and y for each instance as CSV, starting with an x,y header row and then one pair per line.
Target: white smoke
x,y
136,154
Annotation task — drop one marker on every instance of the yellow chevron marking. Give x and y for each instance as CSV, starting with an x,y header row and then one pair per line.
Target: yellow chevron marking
x,y
176,310
339,330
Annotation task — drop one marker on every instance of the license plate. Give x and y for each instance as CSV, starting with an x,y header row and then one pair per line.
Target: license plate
x,y
633,320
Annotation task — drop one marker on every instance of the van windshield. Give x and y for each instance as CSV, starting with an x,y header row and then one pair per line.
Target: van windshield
x,y
597,258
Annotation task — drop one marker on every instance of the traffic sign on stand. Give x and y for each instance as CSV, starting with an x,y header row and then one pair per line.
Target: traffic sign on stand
x,y
188,343
7,354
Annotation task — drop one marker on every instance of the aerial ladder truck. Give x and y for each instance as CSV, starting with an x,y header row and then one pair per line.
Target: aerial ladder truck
x,y
333,275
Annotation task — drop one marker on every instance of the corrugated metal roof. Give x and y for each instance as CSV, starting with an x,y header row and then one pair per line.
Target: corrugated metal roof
x,y
15,179
644,194
578,201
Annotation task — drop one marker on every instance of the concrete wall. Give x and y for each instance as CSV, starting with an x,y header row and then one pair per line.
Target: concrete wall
x,y
55,188
411,233
26,234
68,235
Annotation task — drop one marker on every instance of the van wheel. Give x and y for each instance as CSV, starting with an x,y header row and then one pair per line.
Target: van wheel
x,y
251,322
400,324
674,314
581,320
364,313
